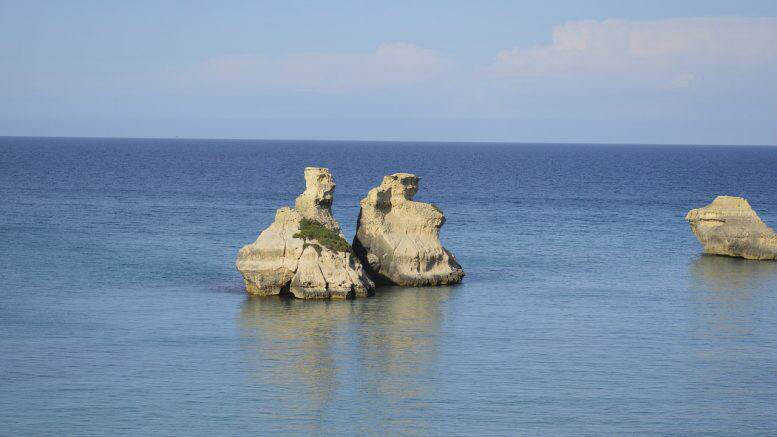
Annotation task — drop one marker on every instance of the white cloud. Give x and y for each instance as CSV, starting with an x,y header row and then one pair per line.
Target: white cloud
x,y
676,51
683,80
390,65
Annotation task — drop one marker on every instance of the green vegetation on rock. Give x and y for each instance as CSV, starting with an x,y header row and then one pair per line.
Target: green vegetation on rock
x,y
313,230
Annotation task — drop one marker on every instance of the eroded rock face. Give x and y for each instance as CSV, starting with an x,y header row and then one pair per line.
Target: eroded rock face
x,y
398,239
285,259
729,226
315,203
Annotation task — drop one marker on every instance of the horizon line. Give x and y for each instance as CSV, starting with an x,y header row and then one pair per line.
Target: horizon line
x,y
549,143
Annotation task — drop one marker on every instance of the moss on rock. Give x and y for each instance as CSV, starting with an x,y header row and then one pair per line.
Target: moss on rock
x,y
313,230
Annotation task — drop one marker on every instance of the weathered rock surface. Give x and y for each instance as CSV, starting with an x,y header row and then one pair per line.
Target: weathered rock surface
x,y
729,226
286,259
398,239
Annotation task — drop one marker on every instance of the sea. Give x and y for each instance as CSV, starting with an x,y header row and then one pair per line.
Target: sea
x,y
588,307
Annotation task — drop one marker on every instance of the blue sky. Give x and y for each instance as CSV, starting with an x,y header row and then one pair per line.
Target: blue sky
x,y
701,72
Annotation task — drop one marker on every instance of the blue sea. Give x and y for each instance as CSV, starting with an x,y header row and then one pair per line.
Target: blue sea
x,y
587,309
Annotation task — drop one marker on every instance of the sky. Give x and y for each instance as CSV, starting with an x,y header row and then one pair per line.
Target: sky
x,y
657,72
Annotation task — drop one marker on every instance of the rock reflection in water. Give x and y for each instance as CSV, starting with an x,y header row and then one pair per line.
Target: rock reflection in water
x,y
399,336
386,346
732,292
723,273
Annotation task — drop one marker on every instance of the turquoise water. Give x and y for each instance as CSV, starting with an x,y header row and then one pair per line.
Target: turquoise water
x,y
587,307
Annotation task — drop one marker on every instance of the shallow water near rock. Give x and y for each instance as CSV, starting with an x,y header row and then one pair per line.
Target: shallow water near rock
x,y
587,307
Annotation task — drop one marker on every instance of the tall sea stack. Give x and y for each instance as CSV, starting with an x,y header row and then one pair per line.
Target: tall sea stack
x,y
303,251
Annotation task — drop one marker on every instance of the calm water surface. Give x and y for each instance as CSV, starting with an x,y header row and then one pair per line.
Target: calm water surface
x,y
587,307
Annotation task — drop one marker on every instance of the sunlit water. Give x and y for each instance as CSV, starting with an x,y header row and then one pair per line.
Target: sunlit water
x,y
587,307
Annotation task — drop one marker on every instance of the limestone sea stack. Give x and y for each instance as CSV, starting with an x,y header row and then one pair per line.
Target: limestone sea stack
x,y
398,239
729,226
303,251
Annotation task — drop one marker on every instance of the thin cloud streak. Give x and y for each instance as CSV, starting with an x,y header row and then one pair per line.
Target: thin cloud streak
x,y
390,66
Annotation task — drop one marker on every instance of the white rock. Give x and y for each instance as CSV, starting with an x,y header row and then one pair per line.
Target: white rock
x,y
280,261
315,203
398,239
729,226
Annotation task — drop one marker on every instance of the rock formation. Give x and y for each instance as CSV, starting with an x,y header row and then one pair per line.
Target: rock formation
x,y
398,240
303,251
729,226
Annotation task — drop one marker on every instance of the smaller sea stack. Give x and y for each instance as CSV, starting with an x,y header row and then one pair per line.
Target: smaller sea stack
x,y
729,226
398,239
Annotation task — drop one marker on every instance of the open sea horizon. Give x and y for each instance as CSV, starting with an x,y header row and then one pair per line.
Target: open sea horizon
x,y
587,308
